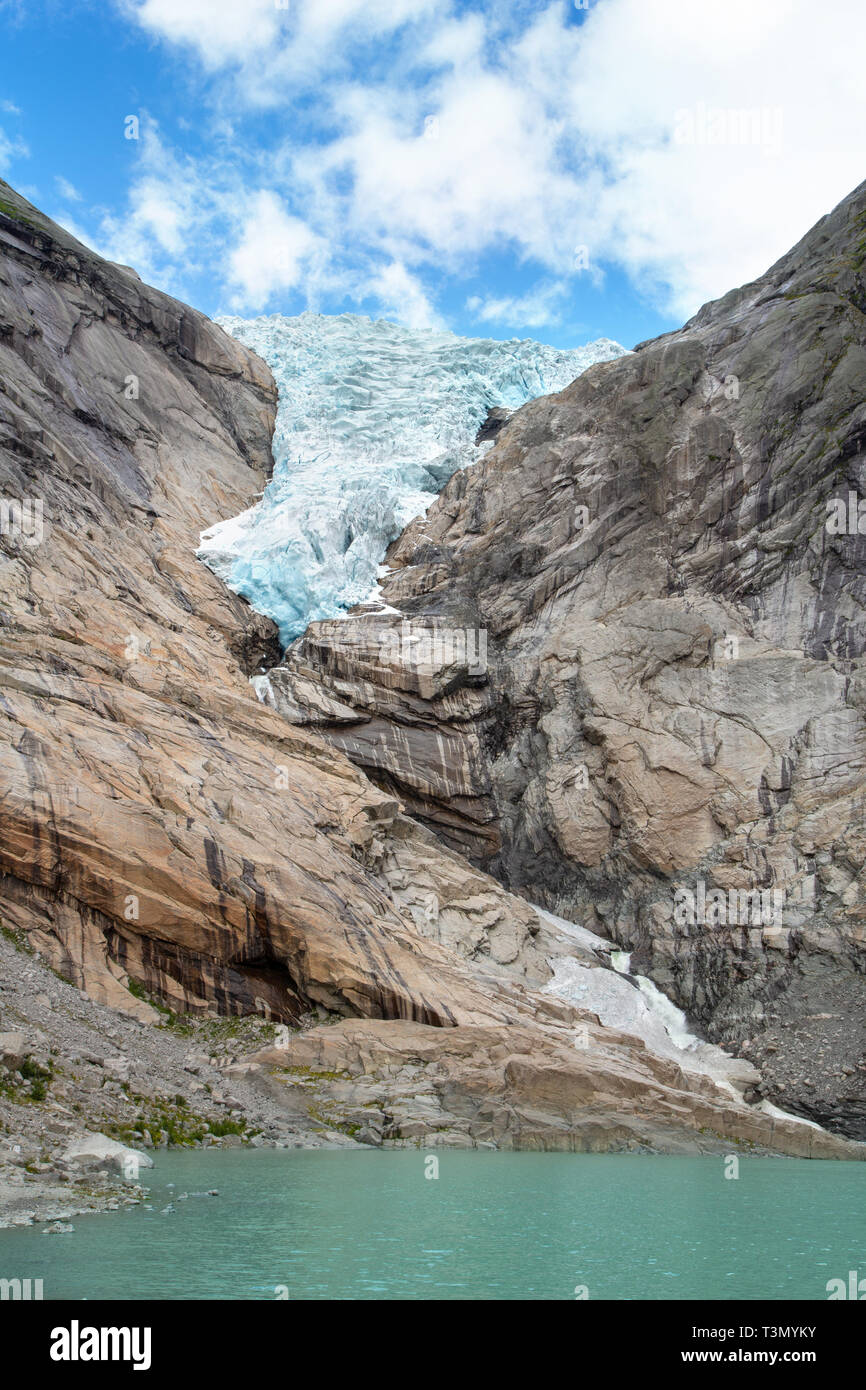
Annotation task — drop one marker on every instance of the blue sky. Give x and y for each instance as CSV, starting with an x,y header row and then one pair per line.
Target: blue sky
x,y
518,168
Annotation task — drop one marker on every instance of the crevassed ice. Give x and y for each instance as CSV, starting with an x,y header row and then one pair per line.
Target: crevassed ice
x,y
372,421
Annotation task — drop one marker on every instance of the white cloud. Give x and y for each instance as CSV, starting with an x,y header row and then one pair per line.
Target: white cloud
x,y
183,215
11,148
570,141
541,306
693,220
169,226
66,189
220,31
269,49
546,135
402,297
486,178
270,254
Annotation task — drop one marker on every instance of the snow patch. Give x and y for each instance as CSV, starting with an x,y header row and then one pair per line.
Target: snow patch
x,y
634,1004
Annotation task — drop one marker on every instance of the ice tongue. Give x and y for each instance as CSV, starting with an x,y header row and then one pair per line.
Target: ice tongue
x,y
372,421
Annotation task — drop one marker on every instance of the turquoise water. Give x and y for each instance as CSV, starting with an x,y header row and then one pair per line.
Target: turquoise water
x,y
369,1225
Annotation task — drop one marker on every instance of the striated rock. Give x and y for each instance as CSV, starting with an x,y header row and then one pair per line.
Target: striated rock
x,y
157,821
405,701
672,702
524,1087
163,832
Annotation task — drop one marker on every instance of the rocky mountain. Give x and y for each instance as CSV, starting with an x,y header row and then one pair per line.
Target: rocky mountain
x,y
169,842
666,740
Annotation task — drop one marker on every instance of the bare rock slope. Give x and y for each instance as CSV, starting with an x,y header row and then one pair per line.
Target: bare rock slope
x,y
674,696
164,834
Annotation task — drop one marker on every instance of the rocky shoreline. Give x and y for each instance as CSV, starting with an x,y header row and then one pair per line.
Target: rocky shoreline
x,y
88,1093
92,1074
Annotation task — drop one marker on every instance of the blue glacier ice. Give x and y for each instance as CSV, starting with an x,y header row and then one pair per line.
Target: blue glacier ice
x,y
372,421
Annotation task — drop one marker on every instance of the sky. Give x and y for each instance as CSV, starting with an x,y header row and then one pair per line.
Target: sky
x,y
502,168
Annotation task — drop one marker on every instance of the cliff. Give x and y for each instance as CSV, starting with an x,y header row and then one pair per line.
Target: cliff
x,y
672,705
167,839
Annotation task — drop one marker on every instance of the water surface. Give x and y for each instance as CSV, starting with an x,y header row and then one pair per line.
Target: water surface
x,y
370,1225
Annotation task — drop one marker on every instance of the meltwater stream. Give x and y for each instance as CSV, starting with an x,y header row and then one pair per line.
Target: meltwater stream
x,y
372,421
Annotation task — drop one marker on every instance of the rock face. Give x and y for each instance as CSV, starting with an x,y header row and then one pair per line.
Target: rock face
x,y
156,820
519,1088
163,832
671,708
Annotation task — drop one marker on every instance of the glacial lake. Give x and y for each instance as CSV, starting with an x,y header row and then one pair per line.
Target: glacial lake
x,y
369,1225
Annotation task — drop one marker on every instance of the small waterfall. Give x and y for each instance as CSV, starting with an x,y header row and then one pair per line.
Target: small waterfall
x,y
673,1019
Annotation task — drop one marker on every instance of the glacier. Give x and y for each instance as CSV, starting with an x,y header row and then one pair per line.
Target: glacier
x,y
372,420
